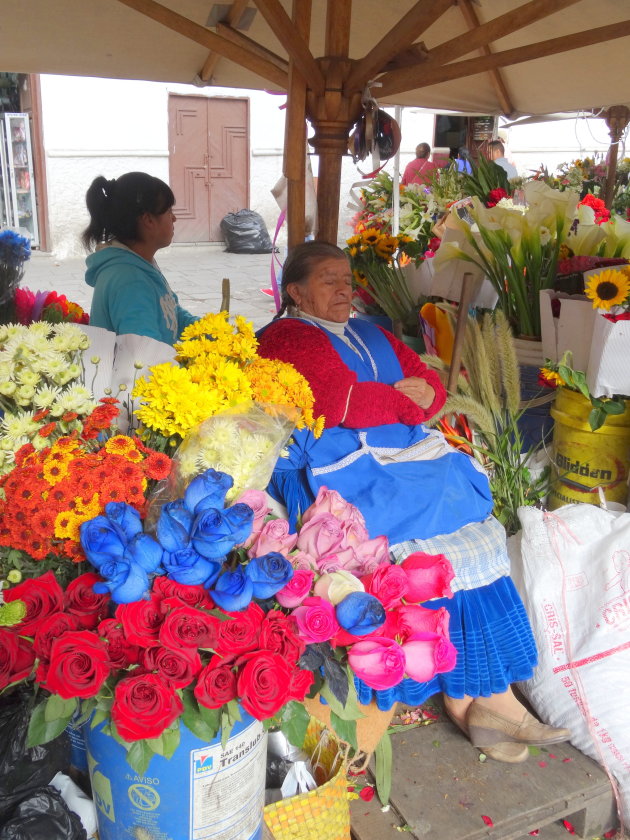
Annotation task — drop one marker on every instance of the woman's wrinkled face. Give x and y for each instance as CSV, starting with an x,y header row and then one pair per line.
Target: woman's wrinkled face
x,y
327,292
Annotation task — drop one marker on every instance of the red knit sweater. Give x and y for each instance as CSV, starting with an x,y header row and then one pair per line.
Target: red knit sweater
x,y
338,396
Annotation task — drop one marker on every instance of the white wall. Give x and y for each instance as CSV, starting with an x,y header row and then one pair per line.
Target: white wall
x,y
106,127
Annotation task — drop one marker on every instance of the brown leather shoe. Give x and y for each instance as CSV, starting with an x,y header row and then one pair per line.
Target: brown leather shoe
x,y
487,728
509,752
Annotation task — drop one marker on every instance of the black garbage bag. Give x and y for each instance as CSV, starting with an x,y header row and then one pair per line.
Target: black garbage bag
x,y
245,233
43,815
24,770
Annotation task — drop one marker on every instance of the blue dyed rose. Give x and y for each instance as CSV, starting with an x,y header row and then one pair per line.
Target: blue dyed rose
x,y
215,532
174,526
360,613
233,591
126,582
102,540
269,574
189,567
207,491
125,516
145,552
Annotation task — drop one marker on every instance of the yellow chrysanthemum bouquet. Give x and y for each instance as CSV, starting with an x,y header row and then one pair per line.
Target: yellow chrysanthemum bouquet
x,y
233,409
377,259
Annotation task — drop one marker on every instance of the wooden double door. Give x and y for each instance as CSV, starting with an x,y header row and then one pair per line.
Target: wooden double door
x,y
209,163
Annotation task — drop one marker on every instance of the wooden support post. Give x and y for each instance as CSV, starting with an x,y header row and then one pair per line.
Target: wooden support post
x,y
294,165
460,332
225,295
617,118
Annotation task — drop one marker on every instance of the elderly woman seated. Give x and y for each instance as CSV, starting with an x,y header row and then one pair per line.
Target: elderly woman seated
x,y
411,486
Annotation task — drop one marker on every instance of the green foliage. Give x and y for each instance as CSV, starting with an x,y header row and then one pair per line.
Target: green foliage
x,y
490,398
383,769
575,380
486,176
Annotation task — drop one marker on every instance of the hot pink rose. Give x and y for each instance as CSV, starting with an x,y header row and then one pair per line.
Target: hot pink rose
x,y
428,654
321,535
257,501
378,661
329,501
412,618
372,553
334,561
316,620
387,583
429,576
296,590
273,536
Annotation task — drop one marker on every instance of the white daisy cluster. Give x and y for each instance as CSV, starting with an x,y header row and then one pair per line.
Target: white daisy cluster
x,y
41,368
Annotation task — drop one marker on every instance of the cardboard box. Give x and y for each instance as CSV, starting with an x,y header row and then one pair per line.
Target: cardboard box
x,y
608,371
571,330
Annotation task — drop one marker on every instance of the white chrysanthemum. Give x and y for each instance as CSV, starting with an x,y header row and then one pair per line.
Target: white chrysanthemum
x,y
24,392
69,338
545,235
8,388
45,396
40,329
55,366
17,425
39,443
78,398
28,376
63,378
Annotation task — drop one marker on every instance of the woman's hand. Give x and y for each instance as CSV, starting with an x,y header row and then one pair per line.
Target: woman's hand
x,y
416,389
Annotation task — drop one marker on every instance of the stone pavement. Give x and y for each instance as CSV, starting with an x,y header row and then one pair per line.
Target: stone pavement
x,y
194,272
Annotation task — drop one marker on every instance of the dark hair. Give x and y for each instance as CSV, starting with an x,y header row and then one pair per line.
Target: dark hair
x,y
497,144
300,263
115,206
463,153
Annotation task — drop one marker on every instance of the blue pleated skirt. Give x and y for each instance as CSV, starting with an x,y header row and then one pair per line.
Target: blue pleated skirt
x,y
495,647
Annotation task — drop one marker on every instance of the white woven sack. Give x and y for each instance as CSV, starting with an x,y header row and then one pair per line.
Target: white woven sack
x,y
572,569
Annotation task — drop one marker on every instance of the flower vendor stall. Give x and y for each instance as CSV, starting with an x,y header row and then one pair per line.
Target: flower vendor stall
x,y
153,603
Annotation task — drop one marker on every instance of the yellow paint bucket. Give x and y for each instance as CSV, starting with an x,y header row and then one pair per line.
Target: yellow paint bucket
x,y
584,460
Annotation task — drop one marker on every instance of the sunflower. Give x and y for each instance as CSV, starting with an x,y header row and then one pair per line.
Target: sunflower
x,y
607,289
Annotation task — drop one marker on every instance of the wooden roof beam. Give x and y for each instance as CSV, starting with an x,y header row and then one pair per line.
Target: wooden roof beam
x,y
237,37
496,28
399,81
399,38
503,96
338,14
231,19
201,35
296,47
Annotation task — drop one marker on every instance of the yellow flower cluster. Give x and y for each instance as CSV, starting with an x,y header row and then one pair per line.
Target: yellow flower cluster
x,y
383,245
609,288
219,370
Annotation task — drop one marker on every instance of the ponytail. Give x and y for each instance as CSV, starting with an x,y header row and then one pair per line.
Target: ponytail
x,y
115,206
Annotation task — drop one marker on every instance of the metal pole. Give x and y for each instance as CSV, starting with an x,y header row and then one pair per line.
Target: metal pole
x,y
396,179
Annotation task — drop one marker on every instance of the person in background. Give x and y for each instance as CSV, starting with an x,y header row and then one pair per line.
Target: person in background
x,y
410,485
496,152
131,218
418,171
463,161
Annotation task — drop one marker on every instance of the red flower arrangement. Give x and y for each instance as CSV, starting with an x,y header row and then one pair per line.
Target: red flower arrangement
x,y
602,213
47,306
495,196
50,492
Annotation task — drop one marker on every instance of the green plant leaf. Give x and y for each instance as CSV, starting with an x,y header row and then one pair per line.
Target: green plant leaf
x,y
614,406
139,756
345,729
295,721
226,726
233,711
596,418
57,707
350,710
156,745
170,741
194,717
41,731
383,770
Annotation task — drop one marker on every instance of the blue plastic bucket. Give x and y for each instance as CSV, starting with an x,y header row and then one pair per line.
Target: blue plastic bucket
x,y
202,793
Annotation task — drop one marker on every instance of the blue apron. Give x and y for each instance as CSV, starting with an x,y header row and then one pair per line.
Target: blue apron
x,y
402,499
